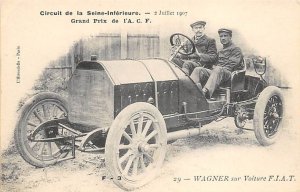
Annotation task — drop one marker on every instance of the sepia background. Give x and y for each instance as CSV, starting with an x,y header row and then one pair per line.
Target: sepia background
x,y
51,46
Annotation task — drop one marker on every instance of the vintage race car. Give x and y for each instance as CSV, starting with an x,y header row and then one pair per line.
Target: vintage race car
x,y
131,109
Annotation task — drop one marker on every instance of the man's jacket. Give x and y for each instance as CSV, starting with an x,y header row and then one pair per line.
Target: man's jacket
x,y
231,58
207,46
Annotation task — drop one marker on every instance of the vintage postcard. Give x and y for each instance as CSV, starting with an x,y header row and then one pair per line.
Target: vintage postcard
x,y
132,95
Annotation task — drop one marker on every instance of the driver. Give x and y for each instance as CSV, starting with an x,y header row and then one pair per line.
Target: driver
x,y
206,50
230,58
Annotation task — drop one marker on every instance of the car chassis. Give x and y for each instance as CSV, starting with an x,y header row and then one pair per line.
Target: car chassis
x,y
144,114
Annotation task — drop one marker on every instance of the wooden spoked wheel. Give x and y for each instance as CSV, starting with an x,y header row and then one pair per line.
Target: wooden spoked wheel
x,y
39,109
136,145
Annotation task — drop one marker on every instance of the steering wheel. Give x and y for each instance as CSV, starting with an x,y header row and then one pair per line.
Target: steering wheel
x,y
183,44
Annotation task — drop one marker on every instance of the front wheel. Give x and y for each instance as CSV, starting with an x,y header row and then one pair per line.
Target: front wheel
x,y
136,145
268,114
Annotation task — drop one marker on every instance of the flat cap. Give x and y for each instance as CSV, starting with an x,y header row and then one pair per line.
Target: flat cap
x,y
198,23
223,30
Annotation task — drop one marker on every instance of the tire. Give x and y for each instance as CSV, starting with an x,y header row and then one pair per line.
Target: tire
x,y
136,145
34,112
268,114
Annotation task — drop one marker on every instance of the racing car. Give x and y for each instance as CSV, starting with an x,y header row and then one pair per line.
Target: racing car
x,y
129,110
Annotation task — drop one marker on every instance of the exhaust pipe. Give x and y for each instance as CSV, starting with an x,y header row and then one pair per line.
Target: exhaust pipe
x,y
183,134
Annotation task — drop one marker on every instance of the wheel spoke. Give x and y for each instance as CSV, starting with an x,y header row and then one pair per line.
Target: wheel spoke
x,y
272,100
31,124
60,114
269,110
33,144
124,157
273,124
276,123
147,126
152,134
125,146
278,109
127,137
151,146
128,165
132,128
135,166
142,163
49,148
38,116
266,122
42,149
45,112
140,124
54,111
269,105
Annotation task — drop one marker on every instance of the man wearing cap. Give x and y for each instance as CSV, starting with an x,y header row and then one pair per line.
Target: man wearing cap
x,y
206,50
230,58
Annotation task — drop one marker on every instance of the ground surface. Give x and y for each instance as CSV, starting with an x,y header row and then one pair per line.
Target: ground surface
x,y
220,150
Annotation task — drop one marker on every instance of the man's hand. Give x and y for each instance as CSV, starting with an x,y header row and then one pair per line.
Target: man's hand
x,y
198,53
173,49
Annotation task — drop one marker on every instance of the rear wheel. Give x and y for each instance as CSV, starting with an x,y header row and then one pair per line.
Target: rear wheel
x,y
268,115
39,109
136,145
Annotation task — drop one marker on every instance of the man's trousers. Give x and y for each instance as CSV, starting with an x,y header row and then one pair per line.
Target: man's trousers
x,y
212,79
187,65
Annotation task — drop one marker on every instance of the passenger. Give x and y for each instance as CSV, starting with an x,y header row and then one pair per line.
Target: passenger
x,y
206,50
230,58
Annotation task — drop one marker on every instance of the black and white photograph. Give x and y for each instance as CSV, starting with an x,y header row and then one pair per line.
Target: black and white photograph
x,y
132,95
